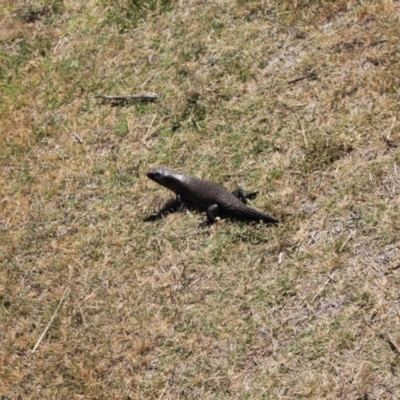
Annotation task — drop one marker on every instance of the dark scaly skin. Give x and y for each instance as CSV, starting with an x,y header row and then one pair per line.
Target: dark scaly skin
x,y
212,197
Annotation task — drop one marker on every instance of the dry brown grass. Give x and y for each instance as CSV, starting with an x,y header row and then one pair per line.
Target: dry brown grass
x,y
309,309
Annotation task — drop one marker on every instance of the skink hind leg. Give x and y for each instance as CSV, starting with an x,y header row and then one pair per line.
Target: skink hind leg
x,y
243,196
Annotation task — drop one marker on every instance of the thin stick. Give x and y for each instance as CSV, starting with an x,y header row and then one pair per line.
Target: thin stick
x,y
143,97
302,130
151,125
347,241
147,80
162,393
148,131
313,75
390,130
51,321
77,137
391,343
330,278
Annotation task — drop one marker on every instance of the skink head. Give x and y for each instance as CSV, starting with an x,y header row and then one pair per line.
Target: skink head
x,y
165,178
159,175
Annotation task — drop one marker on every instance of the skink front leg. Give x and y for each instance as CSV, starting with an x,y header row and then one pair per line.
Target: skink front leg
x,y
212,212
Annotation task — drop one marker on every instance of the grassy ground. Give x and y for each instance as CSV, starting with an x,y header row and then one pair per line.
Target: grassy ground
x,y
299,99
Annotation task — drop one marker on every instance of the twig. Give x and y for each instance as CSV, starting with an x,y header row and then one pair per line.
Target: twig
x,y
344,244
388,192
77,137
398,313
147,80
163,391
391,128
391,343
378,42
149,130
51,320
302,130
151,125
312,75
330,278
389,142
140,97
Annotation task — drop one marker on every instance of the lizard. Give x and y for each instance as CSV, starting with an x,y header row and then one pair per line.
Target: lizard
x,y
212,197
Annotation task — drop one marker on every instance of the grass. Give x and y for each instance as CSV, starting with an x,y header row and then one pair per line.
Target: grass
x,y
296,99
